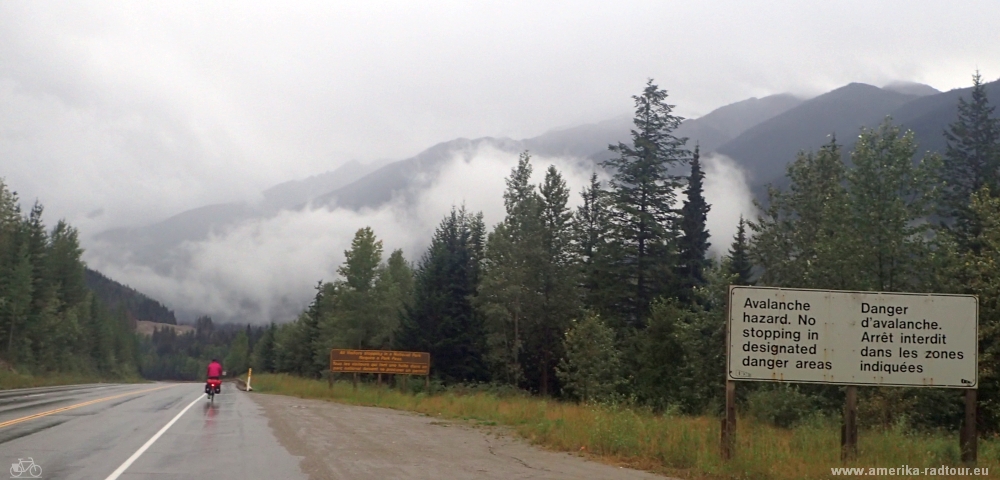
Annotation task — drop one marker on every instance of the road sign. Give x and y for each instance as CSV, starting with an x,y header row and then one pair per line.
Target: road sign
x,y
380,361
853,338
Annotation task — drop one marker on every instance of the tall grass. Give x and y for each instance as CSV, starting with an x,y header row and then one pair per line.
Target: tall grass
x,y
683,446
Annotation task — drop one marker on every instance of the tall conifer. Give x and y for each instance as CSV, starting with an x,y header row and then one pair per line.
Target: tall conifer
x,y
693,251
642,196
971,162
739,264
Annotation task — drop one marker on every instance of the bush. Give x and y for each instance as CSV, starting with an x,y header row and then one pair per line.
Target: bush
x,y
591,369
783,406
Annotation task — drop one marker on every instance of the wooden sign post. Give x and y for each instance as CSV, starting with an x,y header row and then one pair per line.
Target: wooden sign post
x,y
379,362
853,339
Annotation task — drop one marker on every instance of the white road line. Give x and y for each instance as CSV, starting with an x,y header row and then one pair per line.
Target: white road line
x,y
117,473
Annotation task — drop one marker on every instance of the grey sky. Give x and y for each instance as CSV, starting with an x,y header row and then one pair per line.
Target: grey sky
x,y
123,113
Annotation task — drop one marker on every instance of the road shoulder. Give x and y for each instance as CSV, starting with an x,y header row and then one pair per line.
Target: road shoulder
x,y
347,441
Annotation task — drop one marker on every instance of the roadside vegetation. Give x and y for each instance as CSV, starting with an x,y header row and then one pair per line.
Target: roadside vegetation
x,y
52,326
618,301
667,442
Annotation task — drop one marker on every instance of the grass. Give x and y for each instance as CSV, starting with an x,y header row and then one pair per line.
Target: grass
x,y
682,446
10,379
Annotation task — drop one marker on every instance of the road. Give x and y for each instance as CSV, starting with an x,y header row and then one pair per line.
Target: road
x,y
227,439
170,430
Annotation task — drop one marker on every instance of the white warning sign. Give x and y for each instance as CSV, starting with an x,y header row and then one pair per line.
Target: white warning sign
x,y
853,338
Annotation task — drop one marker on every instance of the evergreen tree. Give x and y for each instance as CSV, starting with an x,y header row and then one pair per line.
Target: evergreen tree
x,y
509,292
693,248
979,273
971,162
642,198
559,302
738,259
442,320
591,231
263,358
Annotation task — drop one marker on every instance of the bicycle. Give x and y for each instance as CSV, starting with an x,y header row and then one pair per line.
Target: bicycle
x,y
212,387
25,466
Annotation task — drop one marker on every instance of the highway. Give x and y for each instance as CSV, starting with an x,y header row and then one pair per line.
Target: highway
x,y
171,431
92,431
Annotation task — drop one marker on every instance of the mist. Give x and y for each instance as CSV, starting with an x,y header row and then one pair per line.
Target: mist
x,y
265,270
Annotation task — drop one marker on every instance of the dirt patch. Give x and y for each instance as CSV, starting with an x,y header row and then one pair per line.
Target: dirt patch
x,y
344,441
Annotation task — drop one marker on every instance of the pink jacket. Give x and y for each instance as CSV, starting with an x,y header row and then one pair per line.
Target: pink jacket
x,y
214,369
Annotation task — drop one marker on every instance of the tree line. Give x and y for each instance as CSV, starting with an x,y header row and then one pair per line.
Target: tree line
x,y
49,320
618,299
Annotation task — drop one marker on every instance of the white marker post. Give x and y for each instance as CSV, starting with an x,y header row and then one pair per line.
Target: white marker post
x,y
855,338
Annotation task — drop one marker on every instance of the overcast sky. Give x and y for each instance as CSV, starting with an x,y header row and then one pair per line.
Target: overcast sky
x,y
124,113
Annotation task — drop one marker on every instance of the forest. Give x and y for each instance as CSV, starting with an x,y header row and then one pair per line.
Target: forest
x,y
50,320
618,300
615,301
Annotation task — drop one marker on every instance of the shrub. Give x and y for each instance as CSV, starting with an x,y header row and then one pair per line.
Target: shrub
x,y
783,406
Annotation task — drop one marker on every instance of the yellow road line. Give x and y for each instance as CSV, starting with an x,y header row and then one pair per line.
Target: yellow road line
x,y
78,405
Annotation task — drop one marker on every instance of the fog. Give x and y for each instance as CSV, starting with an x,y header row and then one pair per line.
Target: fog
x,y
122,114
265,270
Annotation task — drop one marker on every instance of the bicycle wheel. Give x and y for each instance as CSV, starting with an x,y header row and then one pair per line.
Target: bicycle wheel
x,y
35,471
15,471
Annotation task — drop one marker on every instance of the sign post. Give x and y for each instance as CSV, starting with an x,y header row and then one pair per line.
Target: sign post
x,y
854,339
379,362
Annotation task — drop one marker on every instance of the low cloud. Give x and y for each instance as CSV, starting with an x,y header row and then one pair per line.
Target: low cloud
x,y
265,270
726,189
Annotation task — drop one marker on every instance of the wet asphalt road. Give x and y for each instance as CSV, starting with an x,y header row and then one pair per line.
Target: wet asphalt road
x,y
107,424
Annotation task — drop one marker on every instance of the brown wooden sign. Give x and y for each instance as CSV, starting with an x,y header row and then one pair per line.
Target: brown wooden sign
x,y
380,361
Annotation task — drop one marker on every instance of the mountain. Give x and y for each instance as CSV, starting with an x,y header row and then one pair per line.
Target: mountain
x,y
137,305
912,88
358,186
297,192
407,177
762,135
726,123
766,148
930,116
155,244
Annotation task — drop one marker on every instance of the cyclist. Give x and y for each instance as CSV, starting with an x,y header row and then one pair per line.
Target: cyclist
x,y
214,373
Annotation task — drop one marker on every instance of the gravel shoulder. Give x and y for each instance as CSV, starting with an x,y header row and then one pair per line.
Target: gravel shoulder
x,y
338,441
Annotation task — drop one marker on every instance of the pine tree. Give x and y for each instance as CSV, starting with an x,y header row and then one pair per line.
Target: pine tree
x,y
557,274
642,198
693,245
739,264
591,229
263,358
971,162
509,292
979,272
442,320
